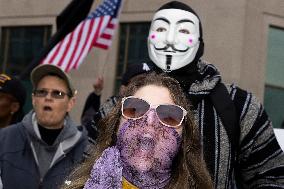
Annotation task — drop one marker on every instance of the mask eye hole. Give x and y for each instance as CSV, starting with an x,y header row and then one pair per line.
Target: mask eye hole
x,y
161,29
184,31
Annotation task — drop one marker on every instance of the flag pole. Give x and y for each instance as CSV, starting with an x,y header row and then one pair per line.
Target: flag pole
x,y
108,52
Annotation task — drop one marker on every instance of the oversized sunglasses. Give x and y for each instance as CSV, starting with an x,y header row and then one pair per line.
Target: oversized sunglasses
x,y
168,114
57,94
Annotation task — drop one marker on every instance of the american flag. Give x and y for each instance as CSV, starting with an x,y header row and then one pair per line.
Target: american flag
x,y
96,30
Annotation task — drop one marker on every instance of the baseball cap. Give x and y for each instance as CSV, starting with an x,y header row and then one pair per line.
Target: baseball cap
x,y
47,69
14,87
134,70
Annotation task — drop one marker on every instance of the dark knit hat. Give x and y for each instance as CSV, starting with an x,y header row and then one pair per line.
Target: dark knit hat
x,y
177,5
14,87
134,70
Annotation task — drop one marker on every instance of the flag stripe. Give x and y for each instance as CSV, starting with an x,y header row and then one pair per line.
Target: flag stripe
x,y
106,36
56,49
87,34
103,41
109,31
96,30
58,54
101,46
90,42
68,44
74,45
87,44
80,44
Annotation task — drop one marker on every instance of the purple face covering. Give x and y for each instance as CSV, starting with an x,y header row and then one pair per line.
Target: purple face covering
x,y
147,151
107,171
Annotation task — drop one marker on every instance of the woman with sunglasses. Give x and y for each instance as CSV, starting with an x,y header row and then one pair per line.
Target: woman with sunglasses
x,y
149,140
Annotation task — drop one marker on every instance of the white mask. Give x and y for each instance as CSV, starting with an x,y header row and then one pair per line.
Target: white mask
x,y
173,39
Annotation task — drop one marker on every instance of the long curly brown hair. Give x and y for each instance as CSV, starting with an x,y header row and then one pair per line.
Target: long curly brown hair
x,y
188,169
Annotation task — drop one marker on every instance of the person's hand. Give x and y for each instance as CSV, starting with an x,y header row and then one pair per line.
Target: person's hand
x,y
98,85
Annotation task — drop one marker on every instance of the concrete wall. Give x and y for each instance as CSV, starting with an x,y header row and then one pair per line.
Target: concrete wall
x,y
235,35
260,14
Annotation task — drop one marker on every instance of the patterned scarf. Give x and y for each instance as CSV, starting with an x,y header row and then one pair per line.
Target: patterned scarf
x,y
107,171
156,143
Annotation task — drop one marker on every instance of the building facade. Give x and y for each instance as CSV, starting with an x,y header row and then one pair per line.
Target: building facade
x,y
244,39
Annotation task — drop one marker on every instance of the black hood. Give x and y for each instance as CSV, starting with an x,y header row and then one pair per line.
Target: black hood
x,y
185,75
196,80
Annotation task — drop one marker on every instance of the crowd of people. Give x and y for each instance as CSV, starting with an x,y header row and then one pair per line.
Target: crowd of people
x,y
173,124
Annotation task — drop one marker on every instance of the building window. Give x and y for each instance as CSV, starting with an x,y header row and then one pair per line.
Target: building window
x,y
274,85
132,47
19,45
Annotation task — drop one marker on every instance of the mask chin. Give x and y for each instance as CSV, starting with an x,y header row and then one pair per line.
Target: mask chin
x,y
172,61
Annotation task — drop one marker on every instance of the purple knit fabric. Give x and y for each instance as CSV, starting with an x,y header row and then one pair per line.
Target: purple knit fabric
x,y
147,151
107,171
143,155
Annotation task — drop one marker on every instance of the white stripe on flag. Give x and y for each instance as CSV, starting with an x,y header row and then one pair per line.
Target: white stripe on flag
x,y
82,41
86,48
72,47
104,41
109,31
104,24
61,50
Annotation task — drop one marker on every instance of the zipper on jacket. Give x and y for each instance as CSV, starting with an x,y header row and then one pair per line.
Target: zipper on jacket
x,y
40,185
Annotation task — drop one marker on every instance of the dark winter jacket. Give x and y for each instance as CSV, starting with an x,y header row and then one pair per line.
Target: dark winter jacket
x,y
91,116
24,156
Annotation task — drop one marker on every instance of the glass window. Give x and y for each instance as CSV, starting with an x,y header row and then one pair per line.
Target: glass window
x,y
132,47
274,85
18,47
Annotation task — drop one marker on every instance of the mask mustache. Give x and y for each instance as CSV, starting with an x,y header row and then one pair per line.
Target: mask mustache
x,y
171,46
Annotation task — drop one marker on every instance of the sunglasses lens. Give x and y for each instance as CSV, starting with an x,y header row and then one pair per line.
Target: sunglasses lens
x,y
57,94
170,115
40,93
134,107
54,93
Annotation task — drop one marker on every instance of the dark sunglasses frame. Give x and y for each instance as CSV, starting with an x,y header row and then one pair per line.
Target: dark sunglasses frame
x,y
152,107
54,93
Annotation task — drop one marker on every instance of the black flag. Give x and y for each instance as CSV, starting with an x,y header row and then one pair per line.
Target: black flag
x,y
66,21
